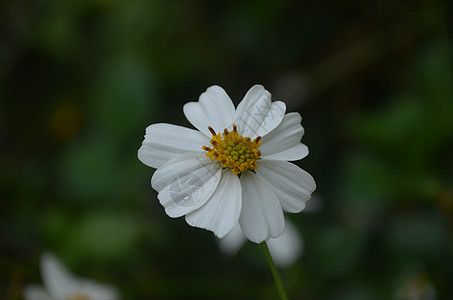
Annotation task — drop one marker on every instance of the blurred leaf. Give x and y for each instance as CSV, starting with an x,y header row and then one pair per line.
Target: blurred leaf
x,y
97,236
91,171
417,236
368,181
338,250
124,97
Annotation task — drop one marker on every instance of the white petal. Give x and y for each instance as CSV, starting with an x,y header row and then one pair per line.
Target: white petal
x,y
283,142
292,185
293,153
214,108
261,216
232,241
273,118
256,114
35,292
222,210
287,248
164,142
185,183
59,282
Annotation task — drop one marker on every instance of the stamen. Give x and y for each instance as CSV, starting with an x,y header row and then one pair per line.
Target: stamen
x,y
212,130
234,151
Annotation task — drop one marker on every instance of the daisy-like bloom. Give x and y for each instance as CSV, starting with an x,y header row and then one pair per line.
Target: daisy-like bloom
x,y
285,250
60,284
234,168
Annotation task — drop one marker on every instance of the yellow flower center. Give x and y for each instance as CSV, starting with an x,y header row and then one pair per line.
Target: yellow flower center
x,y
234,151
78,297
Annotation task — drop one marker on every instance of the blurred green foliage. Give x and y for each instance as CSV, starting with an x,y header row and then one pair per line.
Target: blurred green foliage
x,y
80,81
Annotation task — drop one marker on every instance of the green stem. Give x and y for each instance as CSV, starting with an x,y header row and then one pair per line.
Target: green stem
x,y
275,274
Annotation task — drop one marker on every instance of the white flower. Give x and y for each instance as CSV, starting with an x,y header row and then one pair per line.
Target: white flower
x,y
197,171
60,284
285,250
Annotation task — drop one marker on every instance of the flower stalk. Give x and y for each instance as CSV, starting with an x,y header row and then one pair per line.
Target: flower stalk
x,y
274,270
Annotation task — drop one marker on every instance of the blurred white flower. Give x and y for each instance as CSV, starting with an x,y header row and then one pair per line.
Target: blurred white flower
x,y
234,168
285,250
60,284
416,286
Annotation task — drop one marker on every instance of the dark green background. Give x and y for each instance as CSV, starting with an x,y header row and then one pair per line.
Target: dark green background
x,y
80,80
